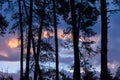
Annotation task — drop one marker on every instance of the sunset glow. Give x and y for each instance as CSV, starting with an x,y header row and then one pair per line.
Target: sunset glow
x,y
113,65
47,34
3,54
13,43
62,36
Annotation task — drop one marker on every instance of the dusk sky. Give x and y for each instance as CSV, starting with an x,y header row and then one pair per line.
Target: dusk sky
x,y
10,50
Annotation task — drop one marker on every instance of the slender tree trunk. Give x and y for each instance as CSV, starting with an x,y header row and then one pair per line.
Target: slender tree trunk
x,y
21,37
36,55
104,36
56,40
37,70
37,67
29,41
25,10
75,43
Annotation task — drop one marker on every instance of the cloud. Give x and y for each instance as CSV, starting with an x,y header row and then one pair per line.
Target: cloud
x,y
67,60
65,52
3,54
8,53
61,35
113,65
13,43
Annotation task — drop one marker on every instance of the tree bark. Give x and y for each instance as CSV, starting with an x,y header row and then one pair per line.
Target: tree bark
x,y
104,31
37,67
21,37
36,54
29,42
56,40
76,74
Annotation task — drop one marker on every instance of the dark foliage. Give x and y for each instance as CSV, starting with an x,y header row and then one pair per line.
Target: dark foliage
x,y
8,77
89,75
51,74
117,75
3,25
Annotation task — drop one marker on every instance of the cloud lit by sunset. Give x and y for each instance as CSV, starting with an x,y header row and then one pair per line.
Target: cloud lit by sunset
x,y
13,43
61,35
46,34
2,53
113,65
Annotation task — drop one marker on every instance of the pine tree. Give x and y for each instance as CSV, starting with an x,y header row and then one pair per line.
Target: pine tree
x,y
117,75
56,40
3,25
104,32
21,33
29,42
37,67
76,75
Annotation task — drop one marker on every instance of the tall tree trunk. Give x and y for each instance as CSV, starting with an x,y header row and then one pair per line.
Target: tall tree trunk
x,y
29,41
56,40
21,37
37,67
75,42
36,55
104,36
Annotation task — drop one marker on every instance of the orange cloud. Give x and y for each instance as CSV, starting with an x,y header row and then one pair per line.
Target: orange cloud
x,y
62,36
96,38
13,43
47,34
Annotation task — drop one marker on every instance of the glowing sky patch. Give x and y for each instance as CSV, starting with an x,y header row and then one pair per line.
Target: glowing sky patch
x,y
13,43
4,54
113,65
61,35
47,34
81,70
